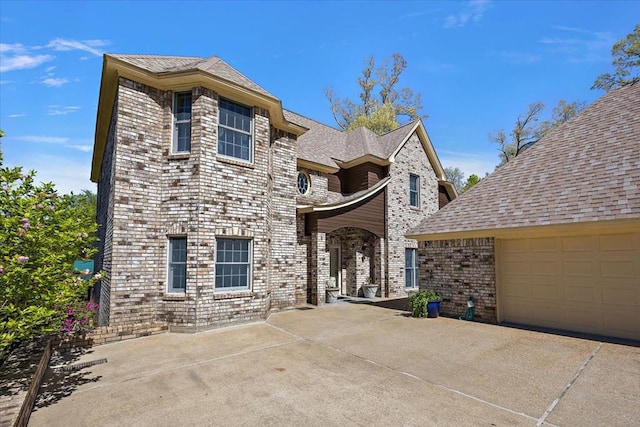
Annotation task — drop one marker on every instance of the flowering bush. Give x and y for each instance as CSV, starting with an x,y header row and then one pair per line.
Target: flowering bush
x,y
80,316
41,234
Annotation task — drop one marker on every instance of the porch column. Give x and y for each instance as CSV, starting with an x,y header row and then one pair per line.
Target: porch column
x,y
380,267
319,267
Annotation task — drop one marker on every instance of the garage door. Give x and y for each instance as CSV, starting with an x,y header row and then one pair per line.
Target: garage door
x,y
580,283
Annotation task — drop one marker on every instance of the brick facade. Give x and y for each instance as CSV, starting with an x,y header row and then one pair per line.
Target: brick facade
x,y
401,217
147,194
457,269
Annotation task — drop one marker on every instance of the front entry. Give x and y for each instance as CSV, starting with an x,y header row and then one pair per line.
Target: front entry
x,y
335,268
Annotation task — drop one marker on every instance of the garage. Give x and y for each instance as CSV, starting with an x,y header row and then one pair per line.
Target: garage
x,y
586,283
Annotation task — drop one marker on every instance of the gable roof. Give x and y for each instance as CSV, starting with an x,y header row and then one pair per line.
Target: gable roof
x,y
328,149
585,171
171,64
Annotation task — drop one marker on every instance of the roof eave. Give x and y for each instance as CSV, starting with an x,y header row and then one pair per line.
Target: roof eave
x,y
334,206
419,128
542,230
320,167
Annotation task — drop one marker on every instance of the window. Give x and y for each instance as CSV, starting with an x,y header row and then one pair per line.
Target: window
x,y
181,123
414,190
303,183
411,268
234,130
233,263
177,281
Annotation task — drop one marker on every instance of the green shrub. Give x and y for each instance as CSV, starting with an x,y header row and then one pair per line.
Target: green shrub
x,y
418,301
41,234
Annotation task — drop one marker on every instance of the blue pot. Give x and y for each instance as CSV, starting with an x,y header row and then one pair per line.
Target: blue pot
x,y
433,308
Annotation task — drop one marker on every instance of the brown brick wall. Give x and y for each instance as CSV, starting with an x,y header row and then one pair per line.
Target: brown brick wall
x,y
457,269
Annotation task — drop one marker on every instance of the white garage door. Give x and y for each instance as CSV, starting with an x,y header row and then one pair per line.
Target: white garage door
x,y
580,283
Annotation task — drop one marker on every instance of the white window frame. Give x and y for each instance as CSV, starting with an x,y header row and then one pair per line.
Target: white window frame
x,y
411,270
248,263
415,191
171,289
174,140
241,131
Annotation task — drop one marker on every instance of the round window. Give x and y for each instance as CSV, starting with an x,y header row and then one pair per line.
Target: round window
x,y
303,183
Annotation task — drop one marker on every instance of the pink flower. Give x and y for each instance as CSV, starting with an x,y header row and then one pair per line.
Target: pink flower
x,y
1,269
97,276
22,259
39,206
51,208
25,223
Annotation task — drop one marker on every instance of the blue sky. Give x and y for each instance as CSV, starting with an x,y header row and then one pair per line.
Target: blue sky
x,y
478,64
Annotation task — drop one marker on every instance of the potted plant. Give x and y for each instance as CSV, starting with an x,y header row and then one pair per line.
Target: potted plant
x,y
425,303
369,289
332,290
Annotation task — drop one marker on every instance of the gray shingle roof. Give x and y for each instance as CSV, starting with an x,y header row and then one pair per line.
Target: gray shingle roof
x,y
213,65
586,170
325,145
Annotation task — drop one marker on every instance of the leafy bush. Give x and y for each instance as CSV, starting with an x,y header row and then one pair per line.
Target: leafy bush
x,y
418,302
41,234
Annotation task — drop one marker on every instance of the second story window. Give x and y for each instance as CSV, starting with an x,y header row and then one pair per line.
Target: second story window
x,y
414,190
235,131
303,183
181,123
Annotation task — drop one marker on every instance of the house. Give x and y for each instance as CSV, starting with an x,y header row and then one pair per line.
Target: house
x,y
217,205
552,238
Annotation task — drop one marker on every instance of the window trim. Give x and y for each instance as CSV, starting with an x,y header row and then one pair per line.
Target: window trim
x,y
175,122
308,178
415,191
249,264
414,268
250,133
169,288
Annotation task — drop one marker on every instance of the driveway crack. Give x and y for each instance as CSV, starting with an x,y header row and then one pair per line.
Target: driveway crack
x,y
566,388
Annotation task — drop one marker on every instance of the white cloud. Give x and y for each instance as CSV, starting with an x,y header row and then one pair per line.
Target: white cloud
x,y
84,45
20,62
39,139
15,116
57,140
54,82
58,110
67,175
580,45
50,69
85,148
472,12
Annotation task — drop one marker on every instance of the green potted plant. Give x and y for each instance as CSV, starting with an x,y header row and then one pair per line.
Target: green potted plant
x,y
425,303
369,289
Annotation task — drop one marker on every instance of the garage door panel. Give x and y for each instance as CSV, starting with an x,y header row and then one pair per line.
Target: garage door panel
x,y
547,292
578,244
578,268
619,268
616,242
624,322
581,294
621,296
585,283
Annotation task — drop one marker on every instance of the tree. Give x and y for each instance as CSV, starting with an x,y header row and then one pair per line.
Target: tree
x,y
526,132
626,60
471,181
41,234
456,177
379,112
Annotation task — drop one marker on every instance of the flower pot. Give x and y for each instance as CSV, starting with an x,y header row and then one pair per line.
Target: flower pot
x,y
433,308
332,295
369,291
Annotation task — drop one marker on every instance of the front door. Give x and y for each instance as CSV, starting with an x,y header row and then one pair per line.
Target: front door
x,y
335,267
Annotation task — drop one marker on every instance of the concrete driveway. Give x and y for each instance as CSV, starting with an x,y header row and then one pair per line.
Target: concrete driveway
x,y
348,364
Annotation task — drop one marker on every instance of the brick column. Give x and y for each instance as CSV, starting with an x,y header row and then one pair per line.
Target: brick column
x,y
319,273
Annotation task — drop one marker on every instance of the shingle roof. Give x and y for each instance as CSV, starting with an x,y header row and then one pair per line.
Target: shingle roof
x,y
326,145
213,65
586,170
